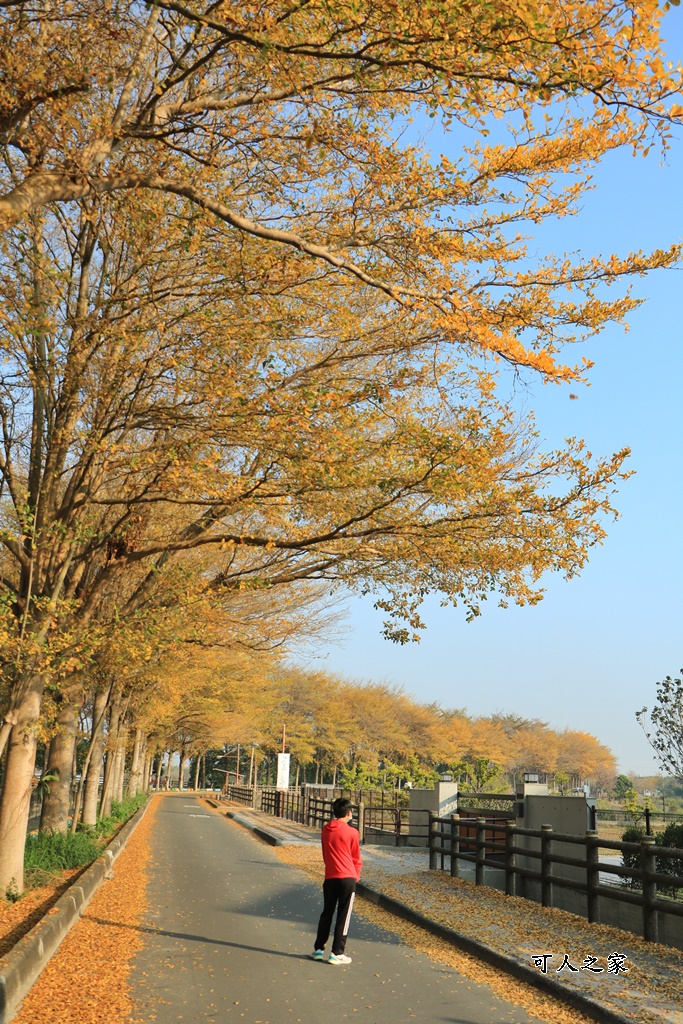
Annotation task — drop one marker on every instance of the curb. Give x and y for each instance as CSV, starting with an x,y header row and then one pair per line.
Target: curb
x,y
20,968
586,1004
268,837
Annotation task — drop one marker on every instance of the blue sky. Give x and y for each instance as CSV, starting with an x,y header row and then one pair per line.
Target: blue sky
x,y
590,654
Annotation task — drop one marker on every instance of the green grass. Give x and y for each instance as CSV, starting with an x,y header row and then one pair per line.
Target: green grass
x,y
49,853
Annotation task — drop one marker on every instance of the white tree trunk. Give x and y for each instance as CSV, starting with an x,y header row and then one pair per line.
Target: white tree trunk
x,y
15,799
92,779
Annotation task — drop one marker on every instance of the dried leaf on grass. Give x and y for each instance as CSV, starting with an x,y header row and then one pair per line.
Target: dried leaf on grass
x,y
85,981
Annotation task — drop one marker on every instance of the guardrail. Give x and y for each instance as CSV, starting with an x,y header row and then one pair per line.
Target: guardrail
x,y
486,850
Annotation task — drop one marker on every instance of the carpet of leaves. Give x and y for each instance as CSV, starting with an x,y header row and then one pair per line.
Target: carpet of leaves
x,y
650,993
18,918
85,981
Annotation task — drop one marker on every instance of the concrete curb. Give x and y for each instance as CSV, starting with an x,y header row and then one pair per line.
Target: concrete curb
x,y
268,837
20,968
591,1007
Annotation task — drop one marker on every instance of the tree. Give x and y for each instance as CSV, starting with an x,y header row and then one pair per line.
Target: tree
x,y
247,114
313,397
623,787
664,729
582,756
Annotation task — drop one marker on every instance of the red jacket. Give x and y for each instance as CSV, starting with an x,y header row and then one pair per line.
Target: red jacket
x,y
341,850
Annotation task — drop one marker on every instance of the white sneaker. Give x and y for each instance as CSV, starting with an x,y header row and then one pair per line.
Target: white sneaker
x,y
339,958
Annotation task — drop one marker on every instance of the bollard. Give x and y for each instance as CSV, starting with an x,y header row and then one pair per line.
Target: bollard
x,y
593,875
455,844
648,864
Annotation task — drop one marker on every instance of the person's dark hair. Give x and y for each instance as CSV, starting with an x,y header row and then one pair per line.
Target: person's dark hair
x,y
341,807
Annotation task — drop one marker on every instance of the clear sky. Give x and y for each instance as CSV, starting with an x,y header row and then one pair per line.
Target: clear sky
x,y
589,656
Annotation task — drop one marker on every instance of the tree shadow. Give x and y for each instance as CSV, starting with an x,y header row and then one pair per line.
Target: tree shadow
x,y
188,936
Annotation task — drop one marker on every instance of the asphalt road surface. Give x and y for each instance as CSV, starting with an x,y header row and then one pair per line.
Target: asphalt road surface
x,y
229,930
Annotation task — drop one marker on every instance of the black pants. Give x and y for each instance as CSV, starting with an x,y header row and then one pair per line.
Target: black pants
x,y
339,893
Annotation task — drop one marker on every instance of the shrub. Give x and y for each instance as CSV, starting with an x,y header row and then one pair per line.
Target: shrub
x,y
672,836
632,860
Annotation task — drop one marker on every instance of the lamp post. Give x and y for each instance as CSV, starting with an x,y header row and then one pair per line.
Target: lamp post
x,y
251,765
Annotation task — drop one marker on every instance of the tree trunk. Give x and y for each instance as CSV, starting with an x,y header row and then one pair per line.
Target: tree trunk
x,y
143,774
120,763
17,787
147,770
135,766
204,771
196,773
181,770
109,764
92,779
57,796
168,771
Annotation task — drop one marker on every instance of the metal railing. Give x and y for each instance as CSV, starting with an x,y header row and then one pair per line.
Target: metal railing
x,y
486,850
647,817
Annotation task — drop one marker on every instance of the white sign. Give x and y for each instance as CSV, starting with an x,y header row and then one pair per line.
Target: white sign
x,y
282,771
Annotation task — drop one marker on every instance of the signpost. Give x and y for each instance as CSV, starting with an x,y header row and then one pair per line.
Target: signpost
x,y
282,771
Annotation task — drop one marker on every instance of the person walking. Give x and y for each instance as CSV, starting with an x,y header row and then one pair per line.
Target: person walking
x,y
341,854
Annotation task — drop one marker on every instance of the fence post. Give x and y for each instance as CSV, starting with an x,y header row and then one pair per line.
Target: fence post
x,y
546,865
592,875
433,832
397,825
648,864
361,821
455,844
510,859
480,850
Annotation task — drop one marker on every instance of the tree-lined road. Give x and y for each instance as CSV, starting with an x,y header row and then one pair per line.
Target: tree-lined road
x,y
229,928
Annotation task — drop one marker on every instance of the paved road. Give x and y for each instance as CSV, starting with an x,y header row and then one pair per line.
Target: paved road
x,y
229,929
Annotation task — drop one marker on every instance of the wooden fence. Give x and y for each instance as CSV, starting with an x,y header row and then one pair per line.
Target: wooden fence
x,y
498,846
300,805
242,794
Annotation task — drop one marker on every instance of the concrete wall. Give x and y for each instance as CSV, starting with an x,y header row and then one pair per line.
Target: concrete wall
x,y
442,800
568,814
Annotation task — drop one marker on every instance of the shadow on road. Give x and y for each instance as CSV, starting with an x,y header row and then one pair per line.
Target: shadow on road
x,y
194,938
